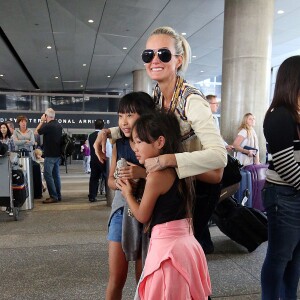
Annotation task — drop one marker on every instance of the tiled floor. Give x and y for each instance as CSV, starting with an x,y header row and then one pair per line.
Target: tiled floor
x,y
59,251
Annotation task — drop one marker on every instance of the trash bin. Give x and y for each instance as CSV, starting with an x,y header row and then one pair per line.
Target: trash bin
x,y
25,163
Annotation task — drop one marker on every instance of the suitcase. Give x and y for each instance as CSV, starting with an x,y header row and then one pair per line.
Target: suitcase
x,y
244,225
244,194
258,178
19,187
37,180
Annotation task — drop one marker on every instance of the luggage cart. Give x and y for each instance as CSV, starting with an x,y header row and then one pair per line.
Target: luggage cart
x,y
6,192
11,195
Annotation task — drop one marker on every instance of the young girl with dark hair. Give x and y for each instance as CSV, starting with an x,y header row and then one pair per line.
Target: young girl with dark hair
x,y
281,194
6,137
175,266
125,232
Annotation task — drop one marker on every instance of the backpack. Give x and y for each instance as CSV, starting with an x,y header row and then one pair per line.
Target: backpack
x,y
67,145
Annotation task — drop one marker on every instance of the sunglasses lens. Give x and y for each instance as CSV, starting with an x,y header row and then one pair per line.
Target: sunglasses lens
x,y
164,55
147,56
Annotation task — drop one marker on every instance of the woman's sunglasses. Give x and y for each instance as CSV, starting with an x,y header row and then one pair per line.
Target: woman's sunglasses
x,y
163,54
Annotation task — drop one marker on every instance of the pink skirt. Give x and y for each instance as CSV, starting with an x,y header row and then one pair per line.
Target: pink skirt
x,y
175,266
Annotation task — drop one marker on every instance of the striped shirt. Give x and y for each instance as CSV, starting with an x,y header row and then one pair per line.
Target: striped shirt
x,y
283,144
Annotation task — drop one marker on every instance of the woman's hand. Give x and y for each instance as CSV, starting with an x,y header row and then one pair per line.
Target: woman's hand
x,y
100,145
160,162
252,153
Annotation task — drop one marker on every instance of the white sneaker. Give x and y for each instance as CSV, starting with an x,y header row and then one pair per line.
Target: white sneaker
x,y
11,213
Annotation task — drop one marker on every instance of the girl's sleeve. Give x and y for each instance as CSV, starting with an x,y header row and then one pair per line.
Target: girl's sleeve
x,y
212,153
279,130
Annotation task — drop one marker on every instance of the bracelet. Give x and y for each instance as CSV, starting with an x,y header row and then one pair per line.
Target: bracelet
x,y
157,161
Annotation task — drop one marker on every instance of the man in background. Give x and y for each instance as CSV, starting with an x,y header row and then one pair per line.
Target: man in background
x,y
98,170
214,105
52,132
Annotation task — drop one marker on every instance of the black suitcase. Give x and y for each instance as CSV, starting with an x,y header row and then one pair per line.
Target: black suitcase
x,y
37,180
19,187
244,225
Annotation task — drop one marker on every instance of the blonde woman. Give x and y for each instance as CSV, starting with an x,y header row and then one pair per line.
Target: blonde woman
x,y
245,140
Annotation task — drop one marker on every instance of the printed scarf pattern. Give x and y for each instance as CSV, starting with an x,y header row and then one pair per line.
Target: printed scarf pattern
x,y
181,92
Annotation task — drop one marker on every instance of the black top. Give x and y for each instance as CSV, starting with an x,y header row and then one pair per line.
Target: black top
x,y
283,144
52,132
169,207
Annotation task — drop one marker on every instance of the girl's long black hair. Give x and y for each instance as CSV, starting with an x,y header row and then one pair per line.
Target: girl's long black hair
x,y
149,128
287,87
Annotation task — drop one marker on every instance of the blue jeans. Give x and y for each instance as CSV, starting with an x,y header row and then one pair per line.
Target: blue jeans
x,y
52,177
281,269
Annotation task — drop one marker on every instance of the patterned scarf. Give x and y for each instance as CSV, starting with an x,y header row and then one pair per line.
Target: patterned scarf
x,y
181,92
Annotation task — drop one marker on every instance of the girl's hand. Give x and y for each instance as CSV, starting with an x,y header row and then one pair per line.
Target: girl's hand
x,y
124,186
131,171
252,153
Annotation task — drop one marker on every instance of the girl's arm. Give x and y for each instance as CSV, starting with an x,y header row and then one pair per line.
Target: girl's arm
x,y
111,178
237,145
132,171
156,185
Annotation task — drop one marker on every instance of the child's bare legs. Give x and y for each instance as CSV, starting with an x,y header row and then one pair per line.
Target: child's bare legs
x,y
138,269
118,268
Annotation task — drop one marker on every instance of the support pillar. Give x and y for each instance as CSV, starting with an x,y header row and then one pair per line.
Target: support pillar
x,y
142,82
246,69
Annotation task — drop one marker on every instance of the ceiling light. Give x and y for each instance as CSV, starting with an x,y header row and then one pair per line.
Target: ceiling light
x,y
1,75
201,71
183,33
124,48
56,77
84,65
91,21
49,47
194,56
126,84
280,12
81,85
108,76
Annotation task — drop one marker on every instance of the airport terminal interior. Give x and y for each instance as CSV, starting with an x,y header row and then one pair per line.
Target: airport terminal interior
x,y
80,57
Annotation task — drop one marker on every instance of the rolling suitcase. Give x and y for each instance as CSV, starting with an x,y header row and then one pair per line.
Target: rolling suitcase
x,y
258,178
244,194
244,225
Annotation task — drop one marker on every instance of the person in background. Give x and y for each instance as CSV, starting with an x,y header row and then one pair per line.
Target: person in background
x,y
24,137
247,137
11,126
52,132
175,266
281,194
166,57
40,160
6,136
85,149
214,105
98,169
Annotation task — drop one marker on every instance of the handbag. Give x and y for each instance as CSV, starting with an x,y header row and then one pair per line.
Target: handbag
x,y
231,177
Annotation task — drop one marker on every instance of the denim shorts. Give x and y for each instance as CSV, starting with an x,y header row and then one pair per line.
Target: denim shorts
x,y
115,226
